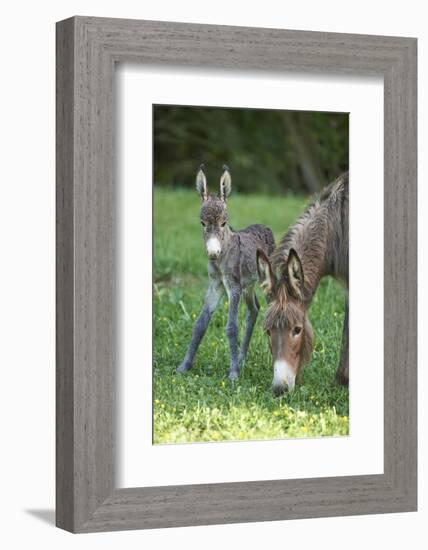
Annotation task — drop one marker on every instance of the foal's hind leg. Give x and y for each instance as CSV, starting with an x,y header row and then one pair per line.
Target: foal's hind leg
x,y
342,374
251,318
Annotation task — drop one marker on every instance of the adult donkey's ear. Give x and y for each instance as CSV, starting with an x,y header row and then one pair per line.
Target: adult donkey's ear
x,y
295,278
201,183
225,184
266,275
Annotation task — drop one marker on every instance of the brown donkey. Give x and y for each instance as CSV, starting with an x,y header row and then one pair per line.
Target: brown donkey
x,y
315,246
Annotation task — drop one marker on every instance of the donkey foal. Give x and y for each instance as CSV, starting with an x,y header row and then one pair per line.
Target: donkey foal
x,y
231,267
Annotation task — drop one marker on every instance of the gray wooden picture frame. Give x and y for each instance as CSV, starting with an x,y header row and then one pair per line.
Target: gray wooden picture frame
x,y
87,51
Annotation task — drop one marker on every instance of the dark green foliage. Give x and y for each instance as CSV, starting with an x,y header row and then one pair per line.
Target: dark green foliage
x,y
267,150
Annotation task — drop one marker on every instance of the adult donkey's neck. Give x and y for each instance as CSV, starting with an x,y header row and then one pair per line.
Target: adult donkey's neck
x,y
309,238
320,238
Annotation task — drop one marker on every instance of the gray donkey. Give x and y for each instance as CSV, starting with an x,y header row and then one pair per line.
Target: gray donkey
x,y
231,267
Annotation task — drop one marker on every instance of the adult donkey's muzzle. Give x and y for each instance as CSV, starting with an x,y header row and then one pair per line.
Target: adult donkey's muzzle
x,y
284,378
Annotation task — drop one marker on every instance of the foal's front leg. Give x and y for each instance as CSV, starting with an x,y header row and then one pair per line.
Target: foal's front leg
x,y
212,298
342,374
234,294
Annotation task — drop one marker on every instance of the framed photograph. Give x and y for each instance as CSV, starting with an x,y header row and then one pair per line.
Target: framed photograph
x,y
236,274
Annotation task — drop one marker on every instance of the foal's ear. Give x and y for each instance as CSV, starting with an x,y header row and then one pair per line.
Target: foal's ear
x,y
225,184
295,274
266,275
201,183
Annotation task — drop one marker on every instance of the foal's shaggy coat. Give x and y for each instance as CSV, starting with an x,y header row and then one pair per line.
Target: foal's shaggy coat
x,y
231,269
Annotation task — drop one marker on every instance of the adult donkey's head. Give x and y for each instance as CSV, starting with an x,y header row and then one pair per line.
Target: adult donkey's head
x,y
286,321
213,213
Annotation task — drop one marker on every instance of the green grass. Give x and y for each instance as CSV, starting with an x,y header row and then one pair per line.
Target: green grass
x,y
203,405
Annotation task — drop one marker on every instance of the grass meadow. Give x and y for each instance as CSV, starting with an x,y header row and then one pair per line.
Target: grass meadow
x,y
203,405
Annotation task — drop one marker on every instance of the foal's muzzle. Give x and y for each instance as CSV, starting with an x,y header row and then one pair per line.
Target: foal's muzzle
x,y
213,248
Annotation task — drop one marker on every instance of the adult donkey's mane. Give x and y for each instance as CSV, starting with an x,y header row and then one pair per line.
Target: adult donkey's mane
x,y
319,238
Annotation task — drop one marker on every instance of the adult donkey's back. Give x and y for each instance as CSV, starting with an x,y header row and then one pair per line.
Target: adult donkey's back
x,y
231,267
315,246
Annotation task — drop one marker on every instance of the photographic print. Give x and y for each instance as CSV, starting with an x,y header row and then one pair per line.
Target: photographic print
x,y
250,274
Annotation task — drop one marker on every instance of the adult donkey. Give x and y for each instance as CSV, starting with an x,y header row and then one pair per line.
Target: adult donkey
x,y
315,246
231,267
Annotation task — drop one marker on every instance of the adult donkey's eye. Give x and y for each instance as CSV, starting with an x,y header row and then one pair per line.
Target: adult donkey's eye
x,y
297,331
223,224
203,224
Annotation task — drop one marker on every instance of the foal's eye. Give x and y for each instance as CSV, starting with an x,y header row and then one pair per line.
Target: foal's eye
x,y
203,224
223,224
297,331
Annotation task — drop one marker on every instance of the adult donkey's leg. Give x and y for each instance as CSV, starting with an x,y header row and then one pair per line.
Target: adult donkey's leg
x,y
251,318
342,374
212,298
234,293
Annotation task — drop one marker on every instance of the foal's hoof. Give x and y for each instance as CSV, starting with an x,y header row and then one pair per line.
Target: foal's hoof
x,y
233,375
184,367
